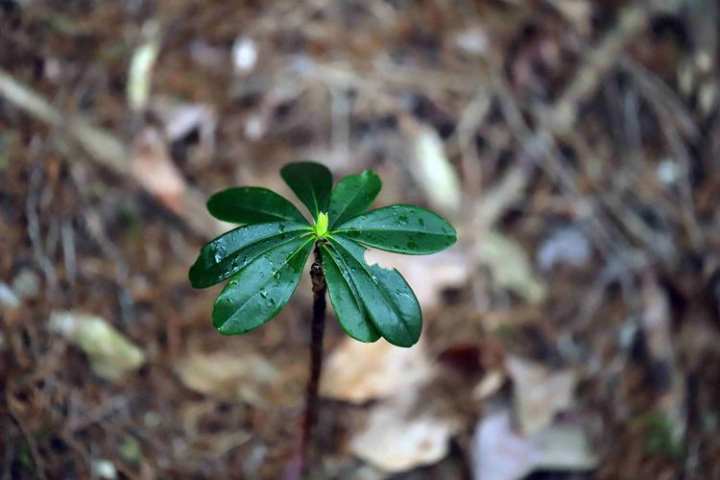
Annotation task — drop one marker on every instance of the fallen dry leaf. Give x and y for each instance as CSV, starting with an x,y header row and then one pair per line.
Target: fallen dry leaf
x,y
141,67
358,372
433,170
232,377
500,453
509,266
111,355
539,393
153,168
396,438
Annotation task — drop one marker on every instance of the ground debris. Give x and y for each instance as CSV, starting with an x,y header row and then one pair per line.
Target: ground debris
x,y
112,356
500,453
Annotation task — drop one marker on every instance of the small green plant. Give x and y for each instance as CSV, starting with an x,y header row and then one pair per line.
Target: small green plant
x,y
264,259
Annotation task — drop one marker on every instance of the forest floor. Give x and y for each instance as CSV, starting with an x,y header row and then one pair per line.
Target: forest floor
x,y
572,333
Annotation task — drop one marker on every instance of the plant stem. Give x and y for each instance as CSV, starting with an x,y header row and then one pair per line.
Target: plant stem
x,y
317,329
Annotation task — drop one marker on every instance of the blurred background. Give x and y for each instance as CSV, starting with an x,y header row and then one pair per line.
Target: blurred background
x,y
572,333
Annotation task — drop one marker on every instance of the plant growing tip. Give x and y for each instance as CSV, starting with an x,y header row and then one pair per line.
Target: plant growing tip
x,y
321,226
264,258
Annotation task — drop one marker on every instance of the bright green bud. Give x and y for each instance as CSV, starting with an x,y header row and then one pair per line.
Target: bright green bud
x,y
321,225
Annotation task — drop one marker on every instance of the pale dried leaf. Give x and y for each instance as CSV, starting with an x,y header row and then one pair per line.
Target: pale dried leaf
x,y
397,438
434,172
152,166
141,66
539,393
111,355
500,453
228,376
509,266
358,372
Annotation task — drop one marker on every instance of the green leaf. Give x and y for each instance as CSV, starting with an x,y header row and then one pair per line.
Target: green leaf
x,y
311,182
353,195
260,290
252,205
221,258
388,299
400,228
345,299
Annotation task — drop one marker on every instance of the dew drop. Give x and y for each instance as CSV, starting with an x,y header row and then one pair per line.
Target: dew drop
x,y
219,253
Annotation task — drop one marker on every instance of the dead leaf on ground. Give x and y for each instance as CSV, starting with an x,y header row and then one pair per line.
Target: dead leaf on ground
x,y
398,438
358,372
111,354
153,168
500,453
509,266
142,63
433,171
539,393
228,376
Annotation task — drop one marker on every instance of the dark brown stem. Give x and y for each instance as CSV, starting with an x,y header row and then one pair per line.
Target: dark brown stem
x,y
317,329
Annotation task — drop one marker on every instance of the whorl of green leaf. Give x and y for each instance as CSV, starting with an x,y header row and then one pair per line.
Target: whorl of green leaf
x,y
264,258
